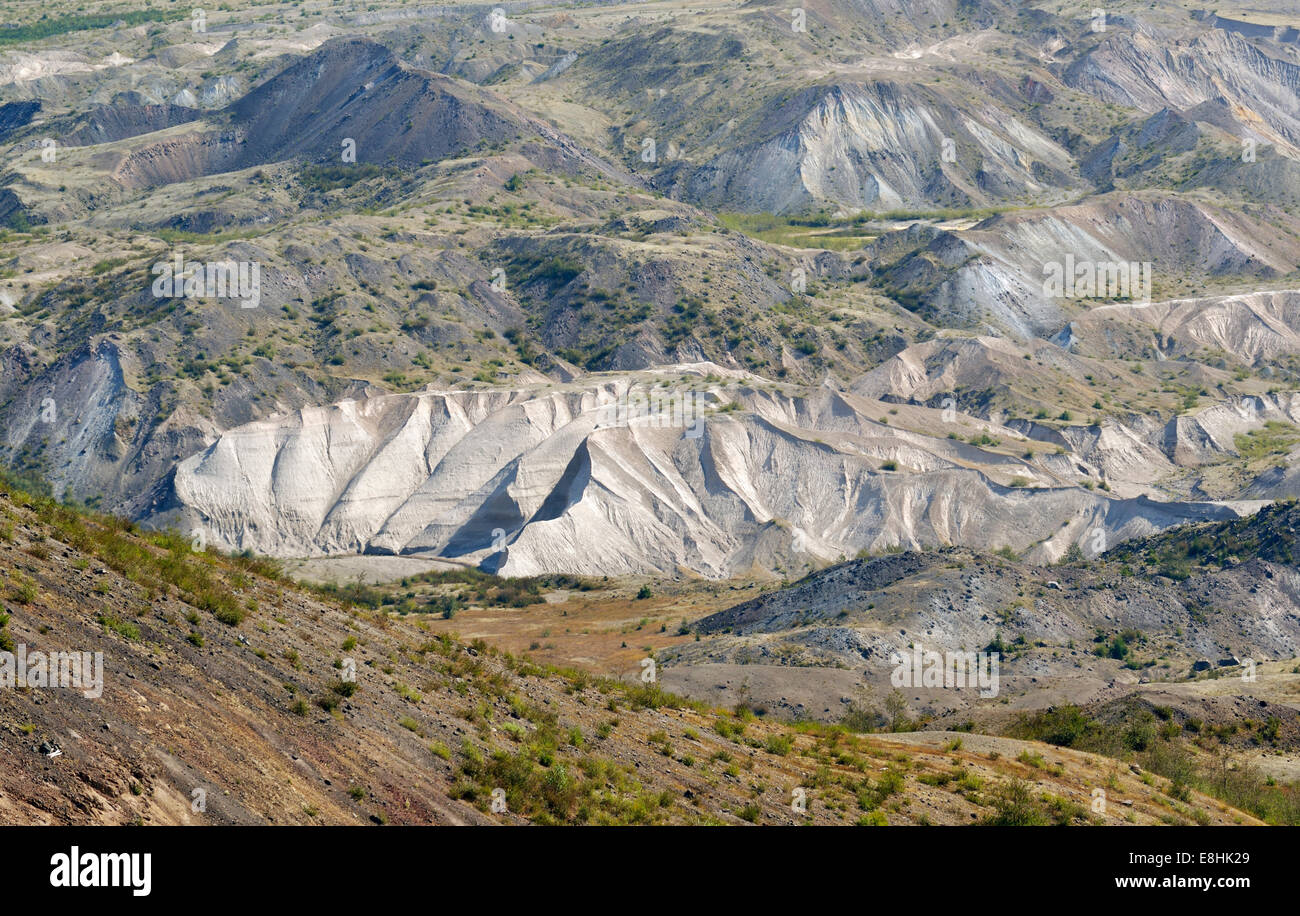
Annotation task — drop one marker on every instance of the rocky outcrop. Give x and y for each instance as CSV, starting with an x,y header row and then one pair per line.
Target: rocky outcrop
x,y
357,93
876,147
995,275
1145,69
570,479
1255,328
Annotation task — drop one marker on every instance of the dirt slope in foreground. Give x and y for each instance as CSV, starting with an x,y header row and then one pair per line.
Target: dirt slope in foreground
x,y
255,713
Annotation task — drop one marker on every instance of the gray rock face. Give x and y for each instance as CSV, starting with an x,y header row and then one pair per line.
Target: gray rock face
x,y
357,90
1256,327
85,418
993,275
1144,70
876,147
1054,635
555,479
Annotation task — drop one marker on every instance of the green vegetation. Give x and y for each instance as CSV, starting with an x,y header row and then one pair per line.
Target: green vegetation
x,y
822,230
121,627
324,178
151,559
538,784
1275,438
445,592
48,26
798,233
1015,806
1203,762
1267,535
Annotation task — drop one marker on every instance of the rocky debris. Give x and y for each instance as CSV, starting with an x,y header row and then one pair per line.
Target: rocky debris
x,y
16,115
1055,644
994,274
1144,70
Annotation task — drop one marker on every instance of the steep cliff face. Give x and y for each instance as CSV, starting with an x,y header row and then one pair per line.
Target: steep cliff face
x,y
574,479
880,146
1256,327
356,91
393,113
79,424
1146,70
79,417
996,275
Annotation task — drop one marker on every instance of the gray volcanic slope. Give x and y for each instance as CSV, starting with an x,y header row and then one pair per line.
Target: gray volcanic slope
x,y
1233,596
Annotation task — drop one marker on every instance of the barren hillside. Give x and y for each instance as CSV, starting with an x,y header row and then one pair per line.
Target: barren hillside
x,y
226,698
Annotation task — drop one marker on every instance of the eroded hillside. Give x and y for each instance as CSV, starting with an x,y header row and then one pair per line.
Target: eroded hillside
x,y
862,200
228,697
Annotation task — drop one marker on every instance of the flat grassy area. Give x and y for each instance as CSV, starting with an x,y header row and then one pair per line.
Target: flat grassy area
x,y
838,233
1276,438
779,230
